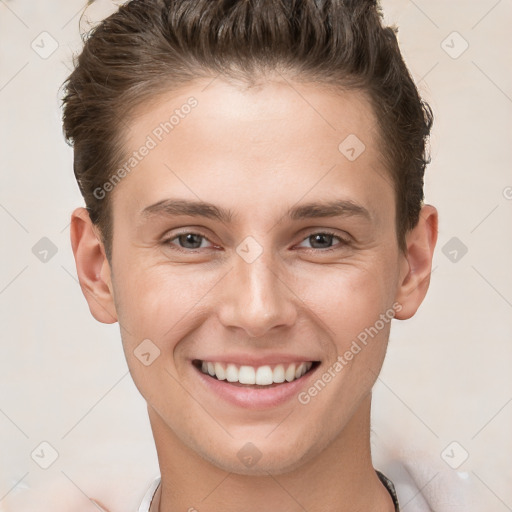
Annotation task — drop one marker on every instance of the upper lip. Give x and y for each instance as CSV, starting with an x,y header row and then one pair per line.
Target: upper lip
x,y
253,360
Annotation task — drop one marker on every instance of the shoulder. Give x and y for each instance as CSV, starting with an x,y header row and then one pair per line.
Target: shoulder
x,y
422,484
61,494
52,495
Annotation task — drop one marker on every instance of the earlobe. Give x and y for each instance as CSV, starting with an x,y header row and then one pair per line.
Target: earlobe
x,y
415,278
92,267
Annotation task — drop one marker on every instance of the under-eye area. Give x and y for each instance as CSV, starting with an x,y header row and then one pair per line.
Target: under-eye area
x,y
264,376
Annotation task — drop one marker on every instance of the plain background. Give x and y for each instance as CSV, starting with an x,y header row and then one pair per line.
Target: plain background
x,y
447,377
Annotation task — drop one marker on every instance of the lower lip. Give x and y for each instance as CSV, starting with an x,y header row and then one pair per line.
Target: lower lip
x,y
255,398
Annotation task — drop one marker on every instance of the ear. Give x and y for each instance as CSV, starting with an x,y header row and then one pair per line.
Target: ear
x,y
92,267
417,263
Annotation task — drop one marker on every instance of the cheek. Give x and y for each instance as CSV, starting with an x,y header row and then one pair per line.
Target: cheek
x,y
347,297
157,307
158,301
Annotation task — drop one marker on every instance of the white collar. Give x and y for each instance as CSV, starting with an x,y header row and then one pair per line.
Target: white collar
x,y
148,497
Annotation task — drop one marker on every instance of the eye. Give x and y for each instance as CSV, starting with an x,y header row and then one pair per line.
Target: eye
x,y
323,240
186,240
190,241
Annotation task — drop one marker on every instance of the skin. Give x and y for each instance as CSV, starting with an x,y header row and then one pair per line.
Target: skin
x,y
257,152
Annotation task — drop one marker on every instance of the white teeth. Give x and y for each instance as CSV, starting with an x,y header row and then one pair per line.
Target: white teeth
x,y
231,373
246,375
262,375
219,371
278,375
289,374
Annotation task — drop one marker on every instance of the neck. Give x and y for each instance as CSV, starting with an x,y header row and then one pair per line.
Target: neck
x,y
340,478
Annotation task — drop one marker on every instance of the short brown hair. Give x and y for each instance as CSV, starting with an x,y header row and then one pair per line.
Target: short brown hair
x,y
148,47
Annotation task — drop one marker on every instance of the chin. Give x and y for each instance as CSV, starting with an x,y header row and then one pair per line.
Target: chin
x,y
259,458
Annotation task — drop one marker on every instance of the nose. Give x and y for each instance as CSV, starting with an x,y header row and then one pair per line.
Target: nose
x,y
256,298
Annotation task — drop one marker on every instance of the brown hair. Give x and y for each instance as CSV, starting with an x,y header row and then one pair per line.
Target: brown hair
x,y
148,47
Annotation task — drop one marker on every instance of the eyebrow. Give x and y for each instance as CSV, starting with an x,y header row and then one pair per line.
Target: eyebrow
x,y
176,207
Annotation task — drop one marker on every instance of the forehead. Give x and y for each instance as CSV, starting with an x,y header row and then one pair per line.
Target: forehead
x,y
274,141
310,110
311,106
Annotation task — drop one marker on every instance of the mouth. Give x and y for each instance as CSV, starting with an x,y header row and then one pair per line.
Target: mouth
x,y
256,377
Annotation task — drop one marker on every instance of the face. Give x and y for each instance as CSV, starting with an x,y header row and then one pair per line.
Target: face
x,y
255,268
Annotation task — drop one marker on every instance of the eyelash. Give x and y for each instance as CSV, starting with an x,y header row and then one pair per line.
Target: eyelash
x,y
343,241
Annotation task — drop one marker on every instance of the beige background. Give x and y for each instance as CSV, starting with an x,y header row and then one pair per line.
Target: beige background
x,y
63,377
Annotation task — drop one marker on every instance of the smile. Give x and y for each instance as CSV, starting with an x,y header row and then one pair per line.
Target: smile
x,y
247,375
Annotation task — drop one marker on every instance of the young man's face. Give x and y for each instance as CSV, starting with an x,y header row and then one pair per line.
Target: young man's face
x,y
260,286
